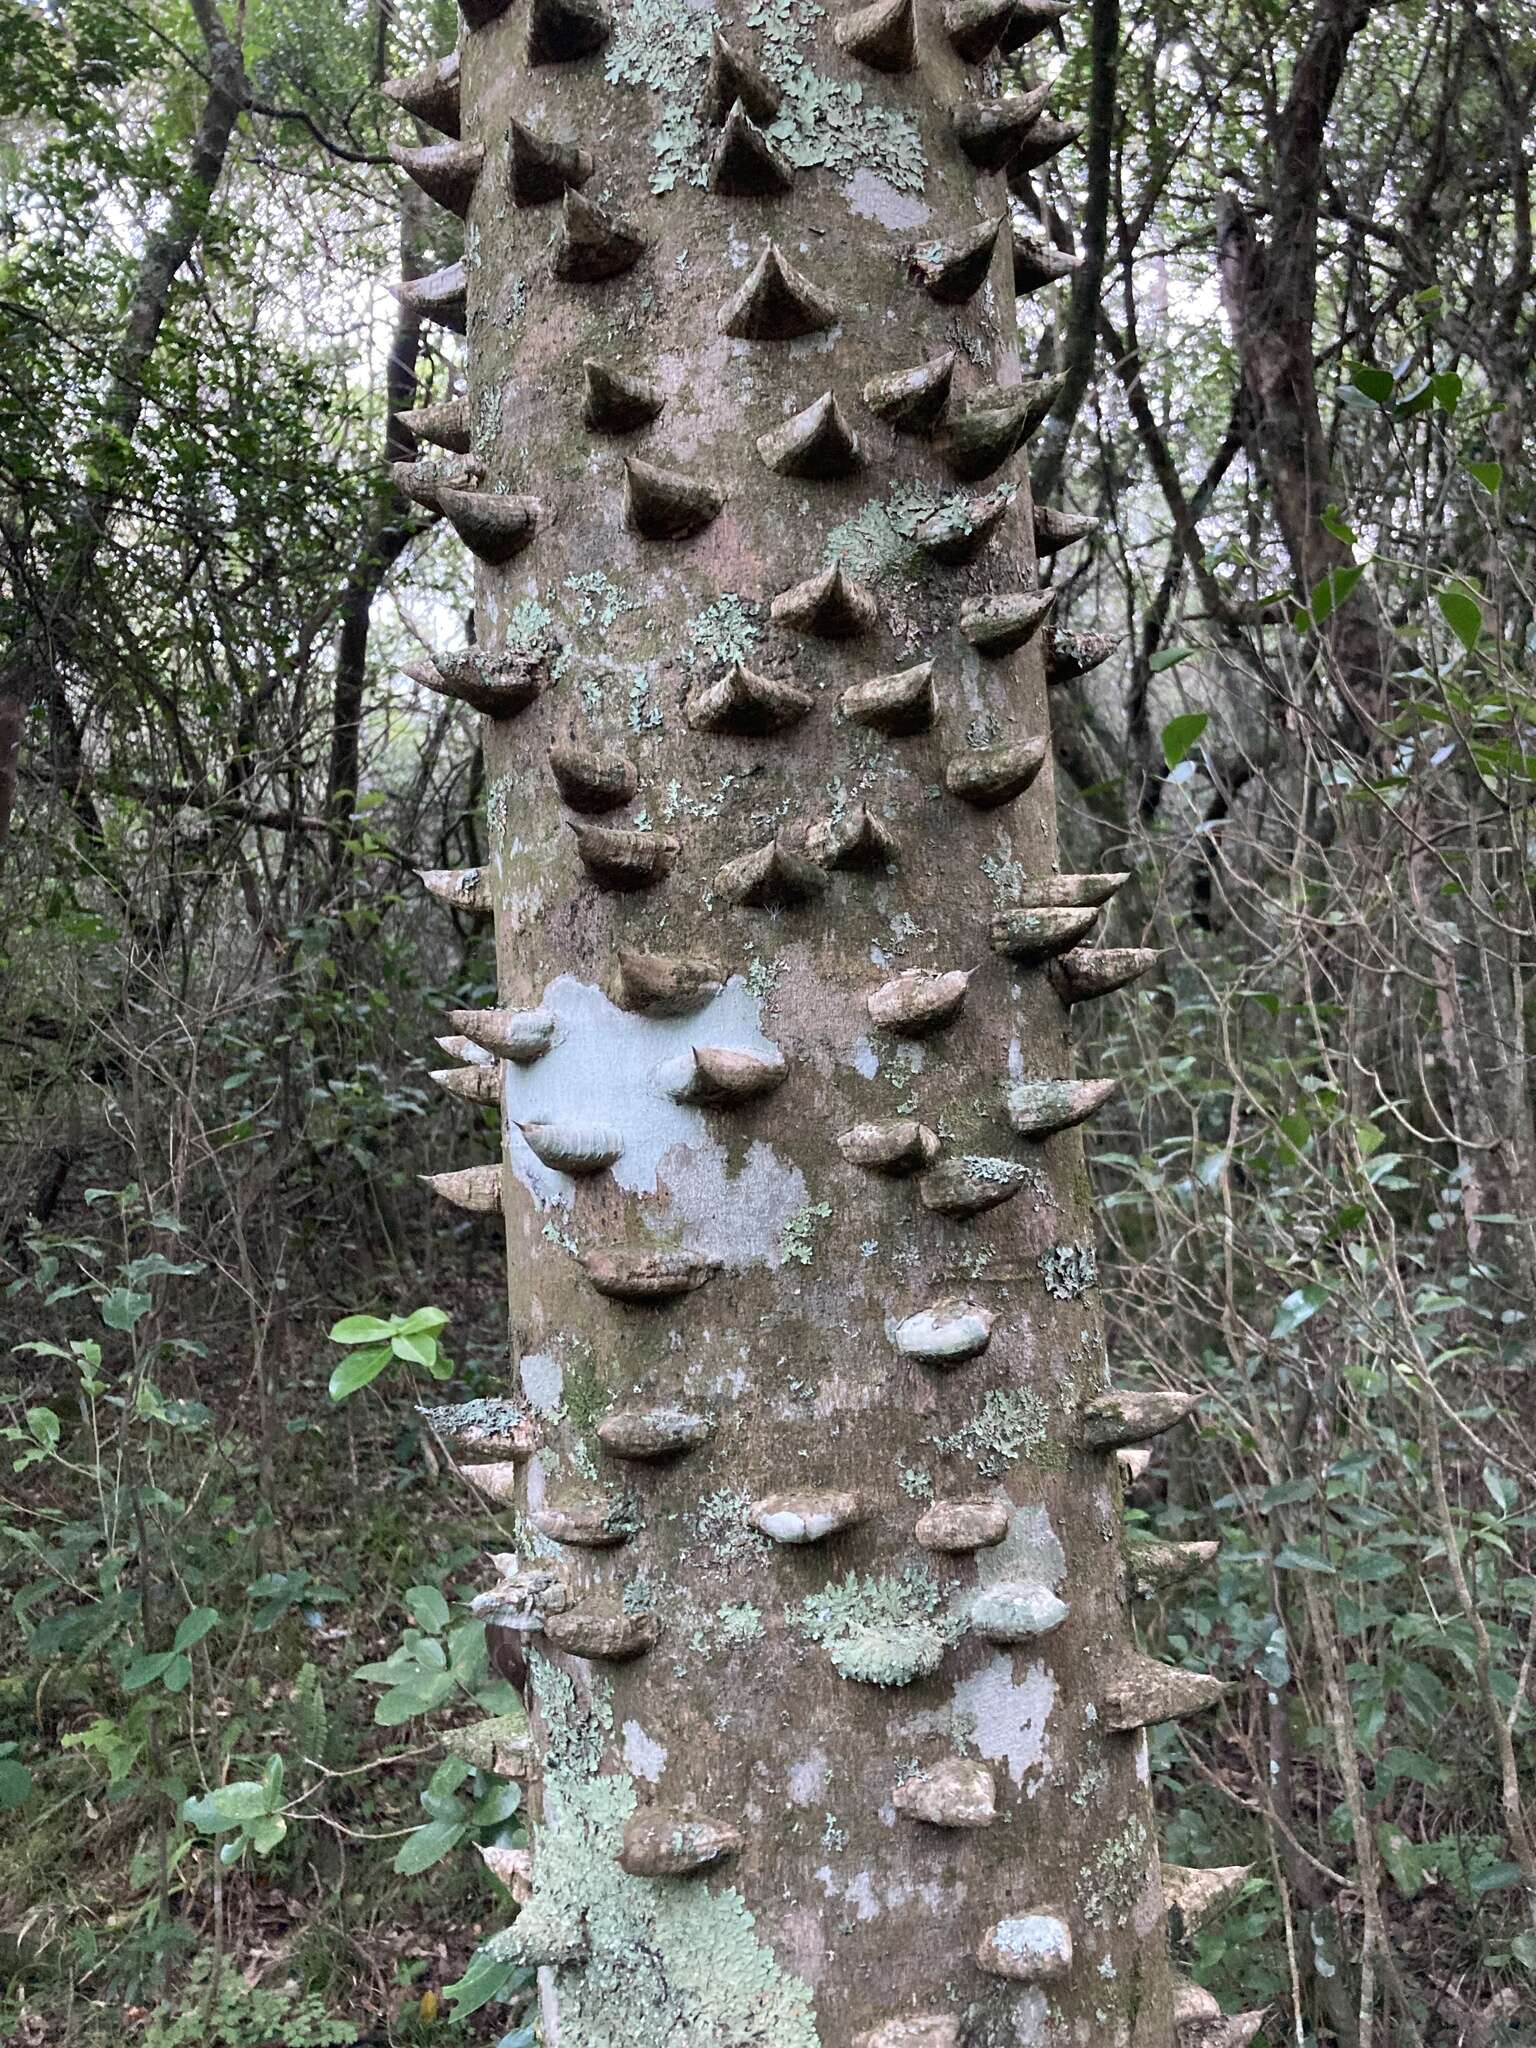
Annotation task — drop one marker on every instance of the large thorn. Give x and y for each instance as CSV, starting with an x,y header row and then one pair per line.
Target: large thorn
x,y
776,302
1073,892
617,403
972,1183
445,171
988,777
1195,1896
955,271
1039,1109
1027,1948
560,31
1055,530
899,1147
499,1483
431,94
882,35
990,132
1236,2032
474,1083
919,1000
1070,655
854,840
666,984
817,442
899,704
441,426
466,889
1031,18
646,1434
805,1517
1031,936
1141,1692
956,1792
828,605
975,27
500,685
995,424
476,1188
731,78
646,1276
1037,263
521,1036
1009,1614
1153,1566
954,1526
720,1077
1045,139
948,1334
772,877
959,530
664,504
424,480
922,2030
539,170
584,1525
1193,2008
659,1844
591,782
491,1428
481,13
1110,1421
622,860
511,1867
574,1148
606,1638
913,401
746,703
1081,976
744,164
592,244
494,525
443,296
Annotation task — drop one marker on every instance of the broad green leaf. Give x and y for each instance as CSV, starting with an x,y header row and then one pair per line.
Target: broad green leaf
x,y
266,1832
1463,614
1181,734
1332,520
1447,388
424,1322
1489,474
1333,589
1291,1557
44,1425
497,1805
485,1978
421,1350
429,1610
15,1784
1170,657
358,1371
230,1806
361,1330
122,1308
1376,385
195,1626
144,1671
425,1846
1298,1307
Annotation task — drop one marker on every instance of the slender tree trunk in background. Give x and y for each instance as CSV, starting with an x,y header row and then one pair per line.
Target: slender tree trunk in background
x,y
39,662
837,1720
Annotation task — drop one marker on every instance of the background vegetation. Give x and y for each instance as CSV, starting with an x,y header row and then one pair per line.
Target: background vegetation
x,y
1299,349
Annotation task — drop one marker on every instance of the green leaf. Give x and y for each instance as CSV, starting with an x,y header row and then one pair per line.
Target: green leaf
x,y
1376,385
15,1784
429,1610
1334,523
1180,735
122,1308
230,1806
361,1330
415,1350
425,1846
405,1702
1463,614
1333,589
44,1425
144,1671
498,1805
424,1322
267,1832
1291,1557
1447,388
1170,657
1298,1307
358,1371
1489,474
195,1626
485,1978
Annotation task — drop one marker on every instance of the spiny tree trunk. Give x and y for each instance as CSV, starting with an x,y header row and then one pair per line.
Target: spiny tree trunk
x,y
838,1725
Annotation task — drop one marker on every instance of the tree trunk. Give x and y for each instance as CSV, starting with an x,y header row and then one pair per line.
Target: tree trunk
x,y
837,1720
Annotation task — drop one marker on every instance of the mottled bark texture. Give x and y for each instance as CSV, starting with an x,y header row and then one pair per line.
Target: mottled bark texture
x,y
817,1567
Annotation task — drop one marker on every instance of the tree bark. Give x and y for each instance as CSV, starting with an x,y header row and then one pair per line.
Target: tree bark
x,y
760,1693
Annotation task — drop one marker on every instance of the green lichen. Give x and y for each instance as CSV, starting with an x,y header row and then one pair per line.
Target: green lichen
x,y
797,1239
553,1234
1110,1886
915,1483
643,711
531,628
487,420
877,541
1011,1423
719,1525
599,602
885,1631
497,798
724,631
1069,1270
635,1960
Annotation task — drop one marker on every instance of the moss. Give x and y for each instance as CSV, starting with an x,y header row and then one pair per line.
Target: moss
x,y
1011,1423
584,1397
633,1959
885,1631
1069,1270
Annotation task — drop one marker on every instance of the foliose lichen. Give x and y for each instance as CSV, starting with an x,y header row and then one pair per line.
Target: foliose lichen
x,y
1011,1423
879,1631
1069,1270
